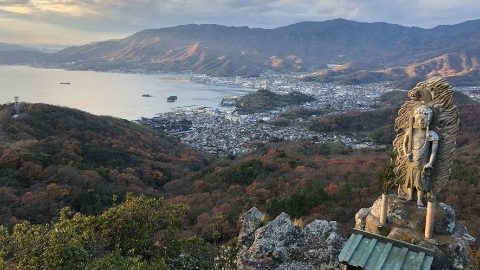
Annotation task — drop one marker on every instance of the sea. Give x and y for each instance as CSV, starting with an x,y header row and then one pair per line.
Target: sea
x,y
114,94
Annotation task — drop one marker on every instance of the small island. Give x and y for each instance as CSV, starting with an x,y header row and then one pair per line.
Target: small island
x,y
171,98
266,100
229,101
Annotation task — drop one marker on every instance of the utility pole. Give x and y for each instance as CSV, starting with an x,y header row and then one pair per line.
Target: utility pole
x,y
17,106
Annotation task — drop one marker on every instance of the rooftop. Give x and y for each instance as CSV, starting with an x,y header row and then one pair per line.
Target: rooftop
x,y
370,251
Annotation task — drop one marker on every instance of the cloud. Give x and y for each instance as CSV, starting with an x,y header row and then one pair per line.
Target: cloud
x,y
88,19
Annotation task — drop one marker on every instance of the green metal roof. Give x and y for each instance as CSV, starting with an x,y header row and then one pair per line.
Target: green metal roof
x,y
375,252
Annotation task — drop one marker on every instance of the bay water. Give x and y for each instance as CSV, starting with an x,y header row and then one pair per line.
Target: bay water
x,y
114,94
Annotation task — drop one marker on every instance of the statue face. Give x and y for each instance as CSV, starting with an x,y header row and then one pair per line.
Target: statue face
x,y
422,120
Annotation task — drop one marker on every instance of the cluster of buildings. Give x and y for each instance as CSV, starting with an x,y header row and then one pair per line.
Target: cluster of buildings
x,y
169,123
222,133
328,95
225,132
471,91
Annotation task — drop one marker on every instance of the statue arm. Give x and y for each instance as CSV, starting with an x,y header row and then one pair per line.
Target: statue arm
x,y
433,154
432,136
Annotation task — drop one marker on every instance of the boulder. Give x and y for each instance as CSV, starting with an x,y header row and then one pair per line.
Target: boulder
x,y
250,221
406,222
280,245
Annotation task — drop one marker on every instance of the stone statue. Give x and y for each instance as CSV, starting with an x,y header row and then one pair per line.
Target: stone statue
x,y
420,144
426,128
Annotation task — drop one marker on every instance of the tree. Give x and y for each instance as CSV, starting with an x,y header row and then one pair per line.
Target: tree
x,y
141,233
3,238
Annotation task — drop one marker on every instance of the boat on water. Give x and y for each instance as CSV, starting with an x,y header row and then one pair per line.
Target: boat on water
x,y
171,98
146,95
68,83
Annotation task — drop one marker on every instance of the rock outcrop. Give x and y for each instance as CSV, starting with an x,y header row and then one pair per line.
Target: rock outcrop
x,y
406,222
280,245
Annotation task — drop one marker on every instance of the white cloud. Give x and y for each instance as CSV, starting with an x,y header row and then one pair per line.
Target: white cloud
x,y
89,19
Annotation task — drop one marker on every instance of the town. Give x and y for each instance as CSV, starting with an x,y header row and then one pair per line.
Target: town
x,y
225,132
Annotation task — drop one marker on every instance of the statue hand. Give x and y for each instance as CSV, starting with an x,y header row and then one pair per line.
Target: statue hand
x,y
427,167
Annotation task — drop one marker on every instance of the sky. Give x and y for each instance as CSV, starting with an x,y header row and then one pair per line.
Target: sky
x,y
71,22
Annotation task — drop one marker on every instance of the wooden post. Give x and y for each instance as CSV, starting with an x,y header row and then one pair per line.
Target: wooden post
x,y
429,220
383,212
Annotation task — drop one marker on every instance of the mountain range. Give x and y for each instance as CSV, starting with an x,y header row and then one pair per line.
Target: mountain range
x,y
46,48
14,47
340,50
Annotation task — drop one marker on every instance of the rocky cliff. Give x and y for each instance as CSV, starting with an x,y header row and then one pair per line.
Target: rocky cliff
x,y
281,245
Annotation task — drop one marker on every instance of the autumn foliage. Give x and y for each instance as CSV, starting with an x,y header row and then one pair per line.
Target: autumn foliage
x,y
52,157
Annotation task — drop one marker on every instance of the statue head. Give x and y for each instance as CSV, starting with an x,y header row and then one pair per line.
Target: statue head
x,y
422,116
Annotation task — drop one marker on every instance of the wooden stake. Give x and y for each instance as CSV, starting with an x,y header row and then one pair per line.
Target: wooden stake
x,y
383,212
429,220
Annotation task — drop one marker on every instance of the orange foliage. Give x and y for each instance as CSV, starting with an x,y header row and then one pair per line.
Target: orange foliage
x,y
331,188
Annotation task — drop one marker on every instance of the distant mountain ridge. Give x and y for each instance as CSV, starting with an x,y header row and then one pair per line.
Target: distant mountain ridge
x,y
46,48
306,46
14,47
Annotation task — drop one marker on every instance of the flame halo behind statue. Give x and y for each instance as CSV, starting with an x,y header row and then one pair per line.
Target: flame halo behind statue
x,y
438,95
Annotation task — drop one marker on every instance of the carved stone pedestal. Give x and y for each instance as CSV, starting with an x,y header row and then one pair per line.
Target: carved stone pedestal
x,y
406,222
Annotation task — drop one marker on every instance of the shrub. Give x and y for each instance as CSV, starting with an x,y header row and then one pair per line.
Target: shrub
x,y
298,203
242,173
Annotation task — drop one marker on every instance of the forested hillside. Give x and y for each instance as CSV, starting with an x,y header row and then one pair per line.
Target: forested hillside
x,y
52,157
